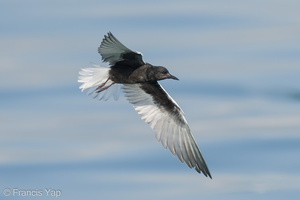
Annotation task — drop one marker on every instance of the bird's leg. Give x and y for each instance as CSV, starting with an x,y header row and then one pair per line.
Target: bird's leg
x,y
100,88
104,88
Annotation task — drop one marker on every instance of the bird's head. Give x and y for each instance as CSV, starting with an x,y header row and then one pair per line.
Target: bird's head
x,y
161,73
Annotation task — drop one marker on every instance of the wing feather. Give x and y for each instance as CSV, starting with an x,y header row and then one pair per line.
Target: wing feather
x,y
113,51
167,119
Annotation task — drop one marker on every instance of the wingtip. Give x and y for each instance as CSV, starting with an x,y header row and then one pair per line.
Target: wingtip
x,y
204,172
109,33
106,37
207,174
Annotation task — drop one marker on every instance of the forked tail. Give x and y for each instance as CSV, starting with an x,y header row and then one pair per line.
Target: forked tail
x,y
97,79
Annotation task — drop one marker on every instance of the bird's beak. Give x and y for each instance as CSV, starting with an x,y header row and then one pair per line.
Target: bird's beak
x,y
172,77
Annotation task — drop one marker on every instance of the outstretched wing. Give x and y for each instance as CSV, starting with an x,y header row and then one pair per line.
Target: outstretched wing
x,y
163,114
113,51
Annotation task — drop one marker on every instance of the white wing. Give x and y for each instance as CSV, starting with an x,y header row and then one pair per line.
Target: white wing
x,y
113,51
162,113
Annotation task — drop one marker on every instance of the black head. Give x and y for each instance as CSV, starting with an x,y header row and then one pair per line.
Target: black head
x,y
161,73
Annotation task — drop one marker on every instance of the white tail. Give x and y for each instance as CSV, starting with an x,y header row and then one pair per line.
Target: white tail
x,y
96,79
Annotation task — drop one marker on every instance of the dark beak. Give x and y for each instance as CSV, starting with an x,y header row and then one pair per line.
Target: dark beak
x,y
172,77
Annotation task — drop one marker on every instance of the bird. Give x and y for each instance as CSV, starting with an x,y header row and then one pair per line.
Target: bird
x,y
140,86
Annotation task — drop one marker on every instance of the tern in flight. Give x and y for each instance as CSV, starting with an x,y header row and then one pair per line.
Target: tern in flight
x,y
140,86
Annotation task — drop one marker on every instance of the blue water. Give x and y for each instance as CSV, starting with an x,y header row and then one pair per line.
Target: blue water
x,y
238,65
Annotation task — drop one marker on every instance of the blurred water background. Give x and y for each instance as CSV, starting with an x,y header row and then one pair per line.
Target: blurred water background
x,y
238,63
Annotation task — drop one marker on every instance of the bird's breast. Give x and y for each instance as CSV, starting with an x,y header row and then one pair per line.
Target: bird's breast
x,y
128,75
